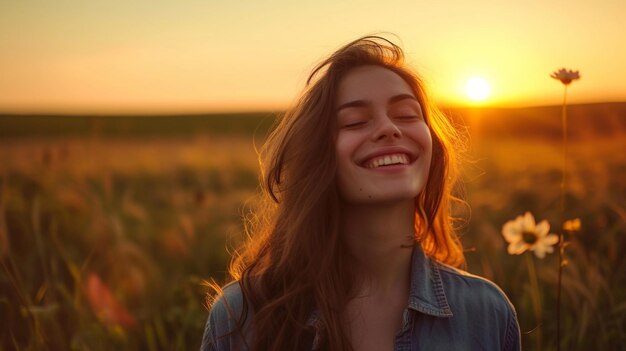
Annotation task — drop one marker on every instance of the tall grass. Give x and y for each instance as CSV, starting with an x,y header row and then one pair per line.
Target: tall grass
x,y
105,242
519,176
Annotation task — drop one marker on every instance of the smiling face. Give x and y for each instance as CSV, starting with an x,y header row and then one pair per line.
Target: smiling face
x,y
383,144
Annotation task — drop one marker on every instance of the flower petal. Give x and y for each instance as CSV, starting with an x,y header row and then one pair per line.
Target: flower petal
x,y
528,222
511,231
517,248
540,253
550,239
542,228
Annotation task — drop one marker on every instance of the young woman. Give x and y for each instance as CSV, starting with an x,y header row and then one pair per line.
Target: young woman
x,y
354,248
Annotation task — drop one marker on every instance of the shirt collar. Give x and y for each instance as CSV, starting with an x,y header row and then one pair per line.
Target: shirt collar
x,y
427,293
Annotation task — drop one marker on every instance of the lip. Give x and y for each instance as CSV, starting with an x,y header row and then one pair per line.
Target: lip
x,y
388,151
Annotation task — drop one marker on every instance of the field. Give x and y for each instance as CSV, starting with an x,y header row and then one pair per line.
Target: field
x,y
110,225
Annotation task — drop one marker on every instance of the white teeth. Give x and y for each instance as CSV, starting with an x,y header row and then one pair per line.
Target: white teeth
x,y
388,160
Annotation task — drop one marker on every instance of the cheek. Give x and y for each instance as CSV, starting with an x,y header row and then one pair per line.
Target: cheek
x,y
420,134
428,145
432,157
342,157
424,140
428,150
345,147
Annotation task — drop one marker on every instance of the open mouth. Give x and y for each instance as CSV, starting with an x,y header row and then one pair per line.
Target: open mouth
x,y
387,160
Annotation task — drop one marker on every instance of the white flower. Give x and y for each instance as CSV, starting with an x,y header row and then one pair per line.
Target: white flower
x,y
565,76
523,234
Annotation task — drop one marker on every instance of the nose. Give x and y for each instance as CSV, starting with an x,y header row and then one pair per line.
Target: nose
x,y
386,129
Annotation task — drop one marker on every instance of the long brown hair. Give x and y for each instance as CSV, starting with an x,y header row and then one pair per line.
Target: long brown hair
x,y
294,261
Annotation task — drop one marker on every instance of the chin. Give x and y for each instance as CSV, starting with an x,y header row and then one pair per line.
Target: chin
x,y
373,198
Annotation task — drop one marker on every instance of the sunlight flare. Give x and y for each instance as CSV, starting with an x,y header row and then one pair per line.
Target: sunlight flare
x,y
477,89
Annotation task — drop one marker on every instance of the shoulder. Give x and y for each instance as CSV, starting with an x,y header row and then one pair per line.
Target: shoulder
x,y
228,304
225,321
459,284
472,297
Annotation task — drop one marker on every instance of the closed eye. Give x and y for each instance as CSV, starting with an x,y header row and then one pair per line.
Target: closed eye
x,y
408,117
354,124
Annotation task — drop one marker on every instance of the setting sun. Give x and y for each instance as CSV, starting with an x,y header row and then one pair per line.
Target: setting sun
x,y
144,57
477,89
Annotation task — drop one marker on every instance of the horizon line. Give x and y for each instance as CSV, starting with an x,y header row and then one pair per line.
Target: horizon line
x,y
266,111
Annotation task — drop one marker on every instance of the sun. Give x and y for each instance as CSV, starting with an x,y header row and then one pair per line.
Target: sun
x,y
477,89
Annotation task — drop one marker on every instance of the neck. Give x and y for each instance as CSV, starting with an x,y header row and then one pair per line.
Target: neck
x,y
380,239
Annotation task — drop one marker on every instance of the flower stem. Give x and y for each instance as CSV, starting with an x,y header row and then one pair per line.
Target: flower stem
x,y
562,218
535,296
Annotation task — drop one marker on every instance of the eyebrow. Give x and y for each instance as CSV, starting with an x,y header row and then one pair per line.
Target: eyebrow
x,y
362,103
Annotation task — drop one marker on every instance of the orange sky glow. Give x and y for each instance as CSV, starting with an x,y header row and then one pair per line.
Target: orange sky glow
x,y
208,56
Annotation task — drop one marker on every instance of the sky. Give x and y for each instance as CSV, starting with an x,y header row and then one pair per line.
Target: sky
x,y
154,56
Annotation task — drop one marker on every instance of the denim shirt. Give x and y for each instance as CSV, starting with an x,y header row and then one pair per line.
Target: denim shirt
x,y
448,309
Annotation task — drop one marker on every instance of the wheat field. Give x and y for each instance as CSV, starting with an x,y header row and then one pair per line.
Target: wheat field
x,y
106,237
